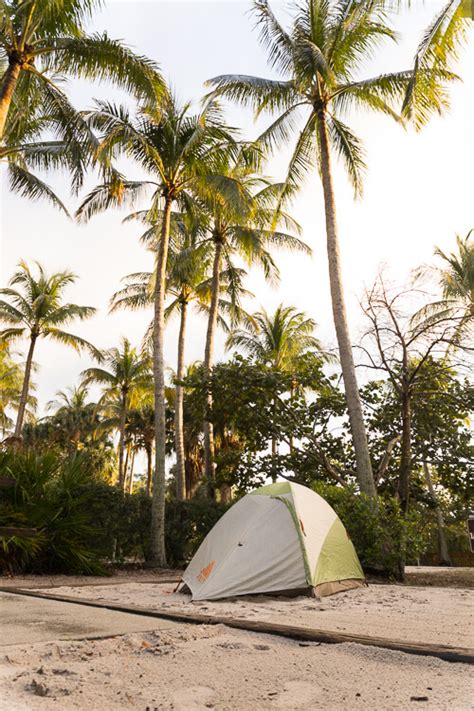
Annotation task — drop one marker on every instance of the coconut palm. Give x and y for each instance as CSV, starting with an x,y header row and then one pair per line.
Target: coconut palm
x,y
37,310
24,148
188,284
11,379
41,39
248,226
179,150
126,377
279,339
319,59
455,276
141,426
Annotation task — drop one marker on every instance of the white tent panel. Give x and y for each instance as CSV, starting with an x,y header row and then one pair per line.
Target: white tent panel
x,y
315,517
253,548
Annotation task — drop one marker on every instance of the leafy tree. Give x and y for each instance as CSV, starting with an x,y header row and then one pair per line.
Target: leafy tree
x,y
37,310
180,151
319,59
43,39
127,378
400,348
279,341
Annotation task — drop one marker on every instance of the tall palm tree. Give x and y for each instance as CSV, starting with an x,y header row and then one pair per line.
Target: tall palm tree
x,y
455,276
11,379
278,340
41,39
179,150
188,284
319,59
246,225
37,310
126,377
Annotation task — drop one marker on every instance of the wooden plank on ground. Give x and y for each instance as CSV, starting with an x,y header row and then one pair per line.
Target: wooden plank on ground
x,y
308,634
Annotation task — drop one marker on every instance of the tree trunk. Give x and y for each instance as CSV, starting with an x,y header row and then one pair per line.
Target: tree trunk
x,y
274,465
157,531
178,414
443,545
122,467
132,466
10,79
359,436
26,387
405,457
149,468
209,453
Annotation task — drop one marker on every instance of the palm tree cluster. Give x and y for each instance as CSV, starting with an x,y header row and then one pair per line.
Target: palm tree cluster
x,y
210,213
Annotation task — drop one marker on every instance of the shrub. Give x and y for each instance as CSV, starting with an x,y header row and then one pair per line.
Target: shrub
x,y
382,536
52,495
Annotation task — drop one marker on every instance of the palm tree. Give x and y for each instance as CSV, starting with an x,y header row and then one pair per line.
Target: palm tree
x,y
141,426
179,150
278,340
456,279
188,283
41,39
11,379
319,59
247,224
126,377
37,310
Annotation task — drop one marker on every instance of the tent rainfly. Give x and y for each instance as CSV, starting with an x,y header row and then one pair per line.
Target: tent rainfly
x,y
281,538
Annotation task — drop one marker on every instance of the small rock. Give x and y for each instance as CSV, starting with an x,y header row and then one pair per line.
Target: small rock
x,y
419,698
38,688
261,647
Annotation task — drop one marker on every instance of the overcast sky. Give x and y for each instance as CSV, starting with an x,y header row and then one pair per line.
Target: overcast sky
x,y
418,191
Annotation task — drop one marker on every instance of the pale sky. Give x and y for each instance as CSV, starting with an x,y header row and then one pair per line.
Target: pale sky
x,y
418,191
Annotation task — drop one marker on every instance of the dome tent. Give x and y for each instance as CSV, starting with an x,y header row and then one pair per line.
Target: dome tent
x,y
280,538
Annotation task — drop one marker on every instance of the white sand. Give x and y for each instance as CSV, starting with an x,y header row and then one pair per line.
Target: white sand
x,y
414,614
194,668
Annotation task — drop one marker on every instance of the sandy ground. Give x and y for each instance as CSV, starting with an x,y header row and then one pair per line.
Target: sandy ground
x,y
194,668
431,615
181,667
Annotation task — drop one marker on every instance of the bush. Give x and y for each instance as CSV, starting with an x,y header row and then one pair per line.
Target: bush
x,y
51,494
83,522
382,536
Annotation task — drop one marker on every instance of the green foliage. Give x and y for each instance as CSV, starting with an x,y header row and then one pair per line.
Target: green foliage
x,y
382,536
54,496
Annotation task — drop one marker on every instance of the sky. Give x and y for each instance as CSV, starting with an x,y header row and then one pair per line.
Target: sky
x,y
418,190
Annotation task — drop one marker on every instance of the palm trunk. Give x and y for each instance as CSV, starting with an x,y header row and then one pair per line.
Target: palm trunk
x,y
178,415
122,467
10,79
443,545
26,387
209,452
149,468
359,436
132,466
157,531
405,456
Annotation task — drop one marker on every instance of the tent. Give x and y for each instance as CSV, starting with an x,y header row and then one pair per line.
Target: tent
x,y
281,538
